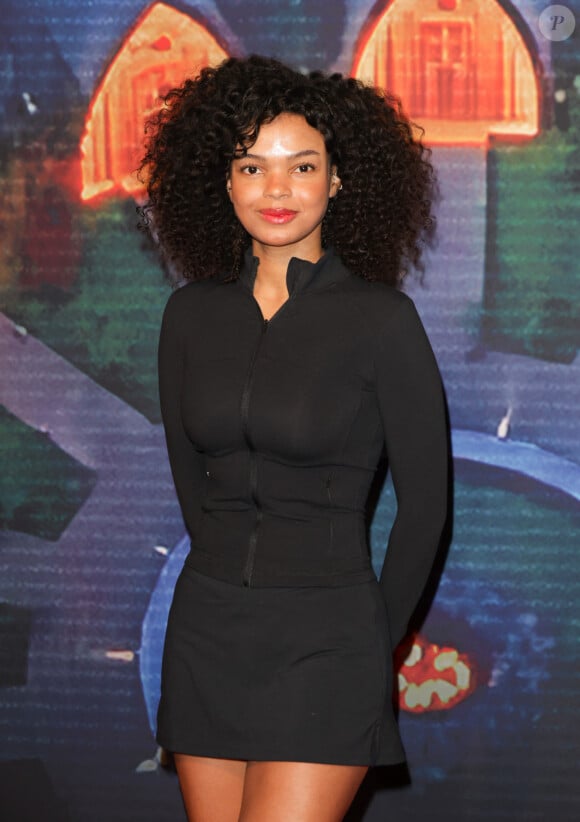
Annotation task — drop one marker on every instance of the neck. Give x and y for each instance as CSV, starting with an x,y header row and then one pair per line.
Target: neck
x,y
271,274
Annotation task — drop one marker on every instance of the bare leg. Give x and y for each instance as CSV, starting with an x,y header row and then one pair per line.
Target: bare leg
x,y
211,788
299,791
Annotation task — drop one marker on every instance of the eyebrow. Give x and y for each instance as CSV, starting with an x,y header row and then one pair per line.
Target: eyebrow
x,y
307,152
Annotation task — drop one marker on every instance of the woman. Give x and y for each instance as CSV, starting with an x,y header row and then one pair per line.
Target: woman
x,y
295,204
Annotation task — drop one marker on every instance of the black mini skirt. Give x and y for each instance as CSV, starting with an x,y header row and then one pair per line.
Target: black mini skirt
x,y
278,674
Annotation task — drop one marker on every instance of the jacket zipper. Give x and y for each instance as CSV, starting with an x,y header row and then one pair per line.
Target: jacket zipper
x,y
245,409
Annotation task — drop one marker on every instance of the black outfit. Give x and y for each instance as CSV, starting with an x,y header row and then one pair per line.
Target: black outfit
x,y
280,638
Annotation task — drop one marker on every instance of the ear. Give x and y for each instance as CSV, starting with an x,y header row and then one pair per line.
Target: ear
x,y
335,184
229,186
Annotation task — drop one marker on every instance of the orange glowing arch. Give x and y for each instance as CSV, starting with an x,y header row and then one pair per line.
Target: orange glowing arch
x,y
162,49
461,67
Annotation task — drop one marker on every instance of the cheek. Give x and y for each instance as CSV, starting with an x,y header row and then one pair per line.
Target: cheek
x,y
244,212
242,196
238,202
319,198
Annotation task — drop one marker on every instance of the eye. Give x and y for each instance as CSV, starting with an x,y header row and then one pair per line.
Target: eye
x,y
250,170
304,168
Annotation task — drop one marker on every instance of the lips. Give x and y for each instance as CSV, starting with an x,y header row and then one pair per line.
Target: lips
x,y
278,215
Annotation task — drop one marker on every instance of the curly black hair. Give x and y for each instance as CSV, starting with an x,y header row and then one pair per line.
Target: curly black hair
x,y
378,223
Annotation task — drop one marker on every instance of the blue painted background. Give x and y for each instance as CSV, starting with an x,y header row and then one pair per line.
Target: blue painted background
x,y
82,606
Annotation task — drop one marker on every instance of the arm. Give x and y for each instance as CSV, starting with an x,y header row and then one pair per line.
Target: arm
x,y
187,463
413,412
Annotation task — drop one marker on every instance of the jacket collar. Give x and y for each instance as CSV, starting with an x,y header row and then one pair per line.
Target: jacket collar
x,y
301,275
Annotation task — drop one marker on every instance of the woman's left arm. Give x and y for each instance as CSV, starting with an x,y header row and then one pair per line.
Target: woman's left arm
x,y
412,408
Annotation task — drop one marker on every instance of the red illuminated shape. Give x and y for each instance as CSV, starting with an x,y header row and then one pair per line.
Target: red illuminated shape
x,y
463,70
164,47
434,678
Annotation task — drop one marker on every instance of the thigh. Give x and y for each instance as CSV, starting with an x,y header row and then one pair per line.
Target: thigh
x,y
299,791
211,788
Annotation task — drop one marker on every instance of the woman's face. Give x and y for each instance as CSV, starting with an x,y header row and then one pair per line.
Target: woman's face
x,y
280,189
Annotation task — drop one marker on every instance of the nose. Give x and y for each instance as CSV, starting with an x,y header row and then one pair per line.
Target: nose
x,y
276,185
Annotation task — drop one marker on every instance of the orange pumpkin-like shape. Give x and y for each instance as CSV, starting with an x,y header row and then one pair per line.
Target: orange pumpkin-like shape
x,y
434,678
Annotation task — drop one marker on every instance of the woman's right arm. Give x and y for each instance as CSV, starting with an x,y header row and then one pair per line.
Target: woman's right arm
x,y
187,463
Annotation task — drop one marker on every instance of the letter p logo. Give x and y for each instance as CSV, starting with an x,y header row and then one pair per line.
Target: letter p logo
x,y
556,23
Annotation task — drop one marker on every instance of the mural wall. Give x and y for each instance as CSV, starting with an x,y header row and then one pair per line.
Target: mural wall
x,y
92,539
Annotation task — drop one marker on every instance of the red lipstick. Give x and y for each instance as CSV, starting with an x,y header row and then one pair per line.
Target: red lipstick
x,y
278,215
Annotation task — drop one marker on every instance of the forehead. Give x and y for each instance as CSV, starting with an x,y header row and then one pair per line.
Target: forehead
x,y
286,135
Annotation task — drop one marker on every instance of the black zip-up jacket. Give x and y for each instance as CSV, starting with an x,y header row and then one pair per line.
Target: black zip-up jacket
x,y
275,428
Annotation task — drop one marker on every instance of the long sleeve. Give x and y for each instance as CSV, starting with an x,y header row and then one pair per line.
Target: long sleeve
x,y
187,463
413,412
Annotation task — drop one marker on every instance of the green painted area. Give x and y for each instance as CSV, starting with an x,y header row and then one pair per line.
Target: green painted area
x,y
107,322
41,487
520,536
513,537
533,246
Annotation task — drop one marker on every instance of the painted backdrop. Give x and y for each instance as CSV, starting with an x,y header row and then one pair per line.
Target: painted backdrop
x,y
92,537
